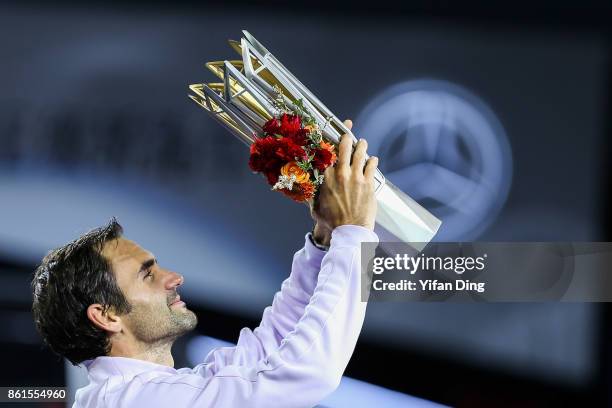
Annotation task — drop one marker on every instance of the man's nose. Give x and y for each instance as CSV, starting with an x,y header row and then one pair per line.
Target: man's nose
x,y
173,280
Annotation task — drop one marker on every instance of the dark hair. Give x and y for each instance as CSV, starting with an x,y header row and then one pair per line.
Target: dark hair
x,y
70,279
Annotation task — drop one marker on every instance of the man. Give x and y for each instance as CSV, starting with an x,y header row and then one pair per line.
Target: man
x,y
104,301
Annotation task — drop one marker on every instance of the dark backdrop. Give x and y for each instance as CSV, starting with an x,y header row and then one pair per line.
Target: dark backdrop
x,y
95,122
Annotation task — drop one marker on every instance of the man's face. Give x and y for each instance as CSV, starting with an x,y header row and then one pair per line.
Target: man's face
x,y
157,314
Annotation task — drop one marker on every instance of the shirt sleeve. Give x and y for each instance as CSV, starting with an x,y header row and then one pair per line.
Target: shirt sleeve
x,y
298,354
287,307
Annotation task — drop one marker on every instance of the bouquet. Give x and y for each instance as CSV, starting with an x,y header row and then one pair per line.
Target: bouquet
x,y
292,135
292,153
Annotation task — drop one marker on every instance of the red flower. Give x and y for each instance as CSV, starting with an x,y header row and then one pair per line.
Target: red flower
x,y
322,159
269,154
288,151
263,155
272,176
300,137
272,127
325,156
290,124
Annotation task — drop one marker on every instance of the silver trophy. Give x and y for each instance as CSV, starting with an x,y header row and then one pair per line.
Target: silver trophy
x,y
245,100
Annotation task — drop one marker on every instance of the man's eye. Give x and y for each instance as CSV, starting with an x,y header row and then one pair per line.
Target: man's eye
x,y
148,274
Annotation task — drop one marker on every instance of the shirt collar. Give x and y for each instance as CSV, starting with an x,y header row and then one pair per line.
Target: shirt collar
x,y
103,367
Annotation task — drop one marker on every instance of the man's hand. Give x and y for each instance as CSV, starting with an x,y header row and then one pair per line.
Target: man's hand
x,y
347,195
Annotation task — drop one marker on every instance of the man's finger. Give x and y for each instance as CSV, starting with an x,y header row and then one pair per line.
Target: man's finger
x,y
348,123
344,153
370,168
359,157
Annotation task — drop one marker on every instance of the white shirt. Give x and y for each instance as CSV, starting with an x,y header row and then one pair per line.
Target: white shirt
x,y
295,358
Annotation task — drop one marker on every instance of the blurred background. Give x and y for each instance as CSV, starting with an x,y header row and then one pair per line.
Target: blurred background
x,y
507,105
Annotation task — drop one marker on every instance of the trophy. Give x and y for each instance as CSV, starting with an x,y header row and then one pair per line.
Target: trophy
x,y
257,97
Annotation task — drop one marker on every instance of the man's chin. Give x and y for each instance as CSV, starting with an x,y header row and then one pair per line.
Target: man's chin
x,y
188,317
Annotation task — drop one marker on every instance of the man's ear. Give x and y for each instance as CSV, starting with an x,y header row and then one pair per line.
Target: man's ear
x,y
104,318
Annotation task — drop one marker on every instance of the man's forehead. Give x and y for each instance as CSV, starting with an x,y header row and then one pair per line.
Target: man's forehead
x,y
124,250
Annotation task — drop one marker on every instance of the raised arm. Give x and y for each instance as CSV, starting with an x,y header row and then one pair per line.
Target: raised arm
x,y
287,307
312,358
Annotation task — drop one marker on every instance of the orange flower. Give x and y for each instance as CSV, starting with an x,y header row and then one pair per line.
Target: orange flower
x,y
308,190
301,192
290,168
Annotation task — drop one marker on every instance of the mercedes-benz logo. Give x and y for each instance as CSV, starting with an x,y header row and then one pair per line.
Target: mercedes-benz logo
x,y
445,148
